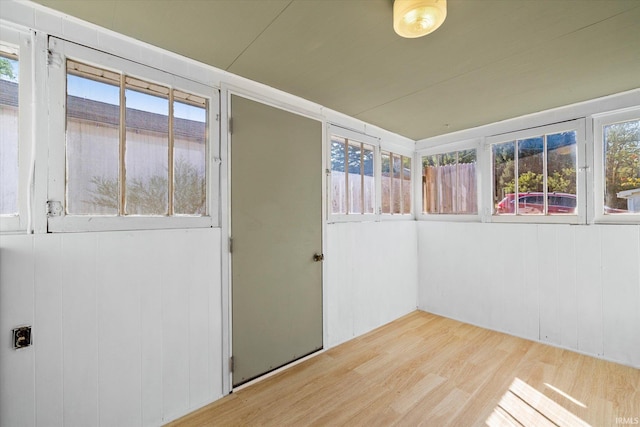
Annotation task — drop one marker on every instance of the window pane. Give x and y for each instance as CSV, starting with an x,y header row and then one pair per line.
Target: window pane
x,y
449,183
190,155
386,182
622,167
561,173
9,72
93,119
406,185
504,177
146,154
354,178
396,187
467,200
530,174
338,178
430,184
369,182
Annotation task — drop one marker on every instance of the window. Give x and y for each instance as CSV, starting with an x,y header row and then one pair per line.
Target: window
x,y
449,183
143,156
395,183
353,185
618,165
136,145
9,133
535,172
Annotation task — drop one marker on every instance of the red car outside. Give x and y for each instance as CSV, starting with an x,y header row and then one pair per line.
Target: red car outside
x,y
533,203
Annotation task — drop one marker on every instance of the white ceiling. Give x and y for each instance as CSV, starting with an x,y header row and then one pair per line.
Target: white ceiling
x,y
491,60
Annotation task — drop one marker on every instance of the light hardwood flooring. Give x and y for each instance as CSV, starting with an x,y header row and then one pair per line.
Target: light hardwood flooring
x,y
428,370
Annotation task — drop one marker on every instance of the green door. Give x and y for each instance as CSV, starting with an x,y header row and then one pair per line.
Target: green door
x,y
276,227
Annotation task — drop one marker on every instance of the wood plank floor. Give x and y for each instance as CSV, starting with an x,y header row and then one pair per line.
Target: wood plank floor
x,y
427,370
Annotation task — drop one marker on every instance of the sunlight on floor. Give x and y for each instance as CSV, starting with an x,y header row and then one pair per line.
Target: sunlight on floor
x,y
526,406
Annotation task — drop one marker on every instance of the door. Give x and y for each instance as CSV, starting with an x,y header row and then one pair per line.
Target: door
x,y
276,229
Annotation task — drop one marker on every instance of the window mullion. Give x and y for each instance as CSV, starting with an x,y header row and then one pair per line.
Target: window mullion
x,y
545,172
516,160
362,210
122,149
170,170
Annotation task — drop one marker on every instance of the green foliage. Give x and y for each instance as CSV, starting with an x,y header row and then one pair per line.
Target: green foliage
x,y
149,197
6,69
622,163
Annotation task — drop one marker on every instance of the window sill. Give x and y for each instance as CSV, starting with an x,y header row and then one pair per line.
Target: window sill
x,y
71,224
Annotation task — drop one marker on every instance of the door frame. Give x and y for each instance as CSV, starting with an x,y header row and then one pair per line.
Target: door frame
x,y
226,92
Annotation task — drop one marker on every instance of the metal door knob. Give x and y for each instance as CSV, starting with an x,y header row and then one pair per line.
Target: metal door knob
x,y
318,257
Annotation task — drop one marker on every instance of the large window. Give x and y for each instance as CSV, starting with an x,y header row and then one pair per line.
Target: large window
x,y
353,186
9,133
617,137
536,173
449,183
133,147
136,145
395,183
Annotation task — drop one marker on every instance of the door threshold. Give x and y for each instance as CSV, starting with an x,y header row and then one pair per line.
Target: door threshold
x,y
277,370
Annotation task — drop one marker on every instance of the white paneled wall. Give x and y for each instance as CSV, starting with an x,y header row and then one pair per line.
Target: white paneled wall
x,y
371,276
126,325
576,287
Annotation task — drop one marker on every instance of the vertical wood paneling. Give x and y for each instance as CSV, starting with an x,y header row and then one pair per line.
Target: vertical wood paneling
x,y
153,264
80,329
175,330
17,395
580,285
621,293
371,276
567,286
589,290
119,354
48,270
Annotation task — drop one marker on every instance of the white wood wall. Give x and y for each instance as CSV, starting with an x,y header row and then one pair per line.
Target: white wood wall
x,y
371,276
126,327
576,287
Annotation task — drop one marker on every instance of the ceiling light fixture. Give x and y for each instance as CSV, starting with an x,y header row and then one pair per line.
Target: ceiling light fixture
x,y
417,18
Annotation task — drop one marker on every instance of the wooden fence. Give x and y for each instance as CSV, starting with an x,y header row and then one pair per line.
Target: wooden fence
x,y
450,189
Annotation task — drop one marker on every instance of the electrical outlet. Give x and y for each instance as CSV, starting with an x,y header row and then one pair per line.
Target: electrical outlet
x,y
22,337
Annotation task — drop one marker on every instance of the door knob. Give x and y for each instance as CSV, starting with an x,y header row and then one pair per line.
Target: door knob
x,y
318,257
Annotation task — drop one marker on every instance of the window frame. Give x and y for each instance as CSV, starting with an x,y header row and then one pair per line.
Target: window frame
x,y
582,203
356,137
60,51
20,43
599,121
469,144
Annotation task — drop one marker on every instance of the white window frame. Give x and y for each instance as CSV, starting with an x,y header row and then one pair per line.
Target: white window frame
x,y
396,149
363,138
469,144
582,165
599,121
20,43
60,50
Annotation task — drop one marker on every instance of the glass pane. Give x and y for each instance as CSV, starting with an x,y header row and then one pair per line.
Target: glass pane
x,y
146,154
561,173
504,177
530,176
396,188
354,178
338,178
406,185
368,179
93,140
430,184
386,182
190,159
447,183
467,200
622,167
9,172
